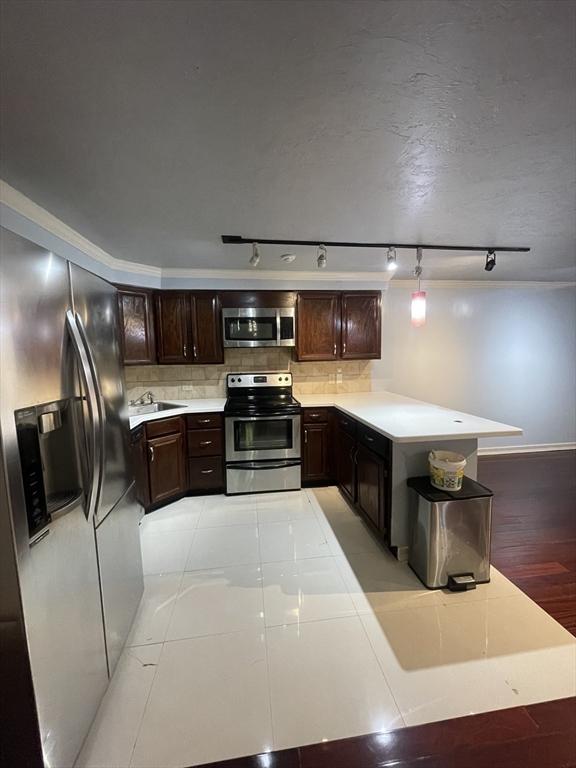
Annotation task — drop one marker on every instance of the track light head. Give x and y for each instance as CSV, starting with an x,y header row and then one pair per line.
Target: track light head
x,y
391,263
255,258
490,260
322,257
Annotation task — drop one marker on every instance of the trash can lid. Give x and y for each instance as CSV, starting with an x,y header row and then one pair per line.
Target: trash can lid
x,y
470,489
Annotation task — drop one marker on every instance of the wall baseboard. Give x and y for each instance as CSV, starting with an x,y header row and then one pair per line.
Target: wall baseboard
x,y
538,448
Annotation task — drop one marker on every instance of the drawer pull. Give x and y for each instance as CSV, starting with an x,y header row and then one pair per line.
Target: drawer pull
x,y
205,442
206,471
370,439
313,415
204,421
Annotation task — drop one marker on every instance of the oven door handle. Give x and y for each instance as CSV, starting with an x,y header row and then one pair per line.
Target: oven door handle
x,y
280,416
259,465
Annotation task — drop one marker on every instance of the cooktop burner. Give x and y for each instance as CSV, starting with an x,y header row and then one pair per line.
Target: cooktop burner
x,y
260,394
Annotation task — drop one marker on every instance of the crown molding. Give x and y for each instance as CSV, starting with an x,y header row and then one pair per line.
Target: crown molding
x,y
274,274
482,284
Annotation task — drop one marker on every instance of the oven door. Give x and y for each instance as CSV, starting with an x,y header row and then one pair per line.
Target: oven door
x,y
252,438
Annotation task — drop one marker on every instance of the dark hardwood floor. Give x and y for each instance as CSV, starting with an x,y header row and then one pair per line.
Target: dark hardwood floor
x,y
534,545
534,526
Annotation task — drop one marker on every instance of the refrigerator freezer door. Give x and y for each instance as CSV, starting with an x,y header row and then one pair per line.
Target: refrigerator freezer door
x,y
58,575
118,542
96,305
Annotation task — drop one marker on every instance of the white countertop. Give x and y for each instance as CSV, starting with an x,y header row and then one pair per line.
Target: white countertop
x,y
199,405
400,418
406,420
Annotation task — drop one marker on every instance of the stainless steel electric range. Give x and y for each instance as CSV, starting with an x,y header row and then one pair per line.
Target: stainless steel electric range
x,y
262,433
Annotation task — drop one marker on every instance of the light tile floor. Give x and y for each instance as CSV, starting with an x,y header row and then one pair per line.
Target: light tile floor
x,y
275,620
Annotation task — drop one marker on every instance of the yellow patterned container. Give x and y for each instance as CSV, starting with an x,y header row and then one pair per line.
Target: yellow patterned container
x,y
446,470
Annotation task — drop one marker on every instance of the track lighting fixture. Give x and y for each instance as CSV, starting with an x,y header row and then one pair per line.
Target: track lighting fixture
x,y
490,260
391,263
288,258
322,257
255,258
418,307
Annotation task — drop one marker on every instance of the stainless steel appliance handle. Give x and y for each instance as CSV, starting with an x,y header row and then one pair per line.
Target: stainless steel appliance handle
x,y
280,417
93,410
261,465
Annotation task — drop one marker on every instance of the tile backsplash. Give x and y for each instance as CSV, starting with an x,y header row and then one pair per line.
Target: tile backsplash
x,y
186,382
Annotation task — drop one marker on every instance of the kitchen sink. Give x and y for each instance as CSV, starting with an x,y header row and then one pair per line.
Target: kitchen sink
x,y
138,410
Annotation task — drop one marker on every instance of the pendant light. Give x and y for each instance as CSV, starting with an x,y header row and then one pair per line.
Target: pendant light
x,y
418,307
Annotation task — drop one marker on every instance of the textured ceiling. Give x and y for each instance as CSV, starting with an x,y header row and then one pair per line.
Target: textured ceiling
x,y
154,127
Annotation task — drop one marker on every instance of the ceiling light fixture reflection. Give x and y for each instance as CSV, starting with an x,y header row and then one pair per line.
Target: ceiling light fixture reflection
x,y
391,263
490,260
322,257
255,258
418,306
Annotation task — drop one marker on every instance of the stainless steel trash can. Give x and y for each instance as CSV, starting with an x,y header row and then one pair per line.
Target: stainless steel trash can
x,y
450,542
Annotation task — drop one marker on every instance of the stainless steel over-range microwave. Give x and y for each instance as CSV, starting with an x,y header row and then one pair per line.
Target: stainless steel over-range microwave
x,y
257,327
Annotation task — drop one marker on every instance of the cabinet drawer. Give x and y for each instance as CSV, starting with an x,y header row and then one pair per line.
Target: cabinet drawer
x,y
205,442
347,424
315,415
163,427
374,440
204,420
205,474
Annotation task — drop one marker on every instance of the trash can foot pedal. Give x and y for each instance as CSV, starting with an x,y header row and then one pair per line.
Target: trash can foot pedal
x,y
461,582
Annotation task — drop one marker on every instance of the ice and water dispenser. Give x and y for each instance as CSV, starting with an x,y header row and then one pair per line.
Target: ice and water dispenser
x,y
51,470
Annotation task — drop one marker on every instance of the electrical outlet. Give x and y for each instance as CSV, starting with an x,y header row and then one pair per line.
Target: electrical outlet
x,y
339,376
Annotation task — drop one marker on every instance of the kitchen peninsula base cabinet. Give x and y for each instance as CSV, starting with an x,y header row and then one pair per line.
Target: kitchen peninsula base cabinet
x,y
317,446
177,456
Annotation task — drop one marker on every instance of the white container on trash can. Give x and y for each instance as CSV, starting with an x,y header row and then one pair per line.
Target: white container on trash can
x,y
446,470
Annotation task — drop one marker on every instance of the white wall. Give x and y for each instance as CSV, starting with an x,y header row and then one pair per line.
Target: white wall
x,y
503,352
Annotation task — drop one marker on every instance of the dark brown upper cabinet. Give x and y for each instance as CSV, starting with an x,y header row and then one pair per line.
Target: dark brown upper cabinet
x,y
338,326
206,315
188,327
361,325
318,325
137,325
173,331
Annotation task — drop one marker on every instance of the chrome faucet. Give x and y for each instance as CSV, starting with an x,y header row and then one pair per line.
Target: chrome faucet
x,y
146,397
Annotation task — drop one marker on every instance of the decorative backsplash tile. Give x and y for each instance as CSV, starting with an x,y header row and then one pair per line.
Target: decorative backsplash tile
x,y
187,382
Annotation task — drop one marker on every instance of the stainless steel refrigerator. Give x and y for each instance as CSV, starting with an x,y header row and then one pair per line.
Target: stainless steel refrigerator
x,y
68,513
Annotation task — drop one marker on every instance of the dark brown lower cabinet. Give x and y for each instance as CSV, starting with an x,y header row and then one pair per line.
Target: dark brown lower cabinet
x,y
345,464
166,467
316,451
370,486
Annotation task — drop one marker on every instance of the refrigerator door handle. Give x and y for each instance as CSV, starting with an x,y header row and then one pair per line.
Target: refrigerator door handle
x,y
94,411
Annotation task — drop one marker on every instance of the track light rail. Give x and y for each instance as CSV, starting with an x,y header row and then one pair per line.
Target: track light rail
x,y
238,239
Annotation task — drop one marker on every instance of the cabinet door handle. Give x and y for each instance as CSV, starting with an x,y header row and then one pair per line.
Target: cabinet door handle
x,y
305,435
195,351
205,442
185,350
151,449
334,348
344,347
206,471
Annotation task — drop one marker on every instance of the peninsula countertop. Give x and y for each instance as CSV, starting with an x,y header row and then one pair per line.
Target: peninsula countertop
x,y
402,419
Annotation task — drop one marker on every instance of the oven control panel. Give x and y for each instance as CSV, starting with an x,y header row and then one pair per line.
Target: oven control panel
x,y
275,379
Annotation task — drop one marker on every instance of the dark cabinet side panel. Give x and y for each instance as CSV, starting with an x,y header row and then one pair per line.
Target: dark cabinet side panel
x,y
345,466
361,325
370,485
